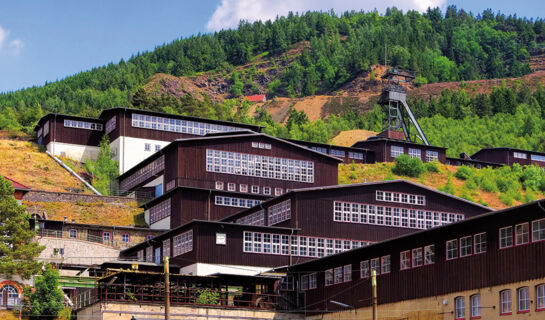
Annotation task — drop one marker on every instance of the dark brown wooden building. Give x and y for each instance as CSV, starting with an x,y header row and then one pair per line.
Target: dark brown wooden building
x,y
454,265
387,149
510,156
347,154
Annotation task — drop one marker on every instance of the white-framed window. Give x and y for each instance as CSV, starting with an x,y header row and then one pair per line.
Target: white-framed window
x,y
537,157
279,212
475,306
106,236
255,189
506,237
415,153
460,308
417,259
347,272
166,248
178,125
429,254
432,156
157,147
312,281
82,125
254,165
538,230
149,237
219,185
522,233
338,275
329,277
364,269
540,297
256,219
466,246
304,282
243,188
267,190
142,174
125,237
160,211
452,249
182,243
73,233
520,155
147,146
397,197
278,191
479,242
385,264
231,186
523,299
396,151
235,202
375,265
405,260
505,302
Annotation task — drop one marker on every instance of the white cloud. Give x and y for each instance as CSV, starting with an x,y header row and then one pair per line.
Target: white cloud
x,y
230,12
13,46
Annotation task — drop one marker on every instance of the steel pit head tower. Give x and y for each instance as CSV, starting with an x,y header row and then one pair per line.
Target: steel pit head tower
x,y
394,97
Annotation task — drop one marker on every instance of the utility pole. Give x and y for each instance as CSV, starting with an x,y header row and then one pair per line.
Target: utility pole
x,y
374,289
167,289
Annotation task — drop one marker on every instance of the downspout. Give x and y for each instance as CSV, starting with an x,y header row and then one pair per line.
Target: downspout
x,y
123,139
54,133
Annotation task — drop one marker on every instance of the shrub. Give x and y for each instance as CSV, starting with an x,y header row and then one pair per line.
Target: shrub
x,y
207,296
463,173
407,166
352,176
505,198
432,166
471,184
532,177
530,195
488,183
420,81
448,187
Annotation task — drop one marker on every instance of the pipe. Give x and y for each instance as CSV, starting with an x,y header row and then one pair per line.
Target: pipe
x,y
73,173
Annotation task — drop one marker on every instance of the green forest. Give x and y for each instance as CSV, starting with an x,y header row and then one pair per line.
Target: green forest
x,y
450,46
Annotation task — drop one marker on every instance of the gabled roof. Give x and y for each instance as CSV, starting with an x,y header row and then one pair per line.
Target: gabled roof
x,y
255,98
354,185
506,148
17,185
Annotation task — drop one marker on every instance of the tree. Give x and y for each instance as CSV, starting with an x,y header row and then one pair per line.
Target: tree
x,y
17,250
103,169
47,300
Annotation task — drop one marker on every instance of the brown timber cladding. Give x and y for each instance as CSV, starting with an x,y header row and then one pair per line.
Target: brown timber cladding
x,y
495,267
58,132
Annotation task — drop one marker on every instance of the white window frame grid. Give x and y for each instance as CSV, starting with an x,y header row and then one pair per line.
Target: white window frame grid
x,y
253,165
538,230
429,254
365,270
157,147
106,238
405,260
415,153
127,236
540,297
235,202
347,273
520,155
143,174
432,155
231,186
166,248
147,146
466,246
312,281
400,197
267,191
304,282
385,264
78,124
361,213
505,240
254,219
523,299
182,243
261,145
278,191
479,243
396,151
219,185
243,188
522,231
279,212
451,253
417,257
74,232
255,189
328,277
338,275
355,155
178,125
459,308
537,157
505,302
159,211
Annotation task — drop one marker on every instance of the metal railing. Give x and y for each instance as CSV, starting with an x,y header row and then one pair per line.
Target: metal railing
x,y
178,296
81,236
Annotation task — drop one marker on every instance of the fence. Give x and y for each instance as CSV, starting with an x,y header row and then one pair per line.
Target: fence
x,y
80,236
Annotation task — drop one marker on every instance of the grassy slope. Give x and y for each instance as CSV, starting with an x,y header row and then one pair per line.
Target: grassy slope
x,y
378,172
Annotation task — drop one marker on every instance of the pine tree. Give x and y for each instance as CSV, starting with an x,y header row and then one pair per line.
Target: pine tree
x,y
17,250
47,300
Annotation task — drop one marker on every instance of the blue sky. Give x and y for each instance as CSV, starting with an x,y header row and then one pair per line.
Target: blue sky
x,y
48,40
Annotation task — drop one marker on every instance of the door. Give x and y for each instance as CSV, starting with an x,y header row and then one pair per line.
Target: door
x,y
158,255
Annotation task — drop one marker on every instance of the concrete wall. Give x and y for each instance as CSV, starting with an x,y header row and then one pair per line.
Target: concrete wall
x,y
206,269
76,251
130,151
52,196
75,152
442,307
119,311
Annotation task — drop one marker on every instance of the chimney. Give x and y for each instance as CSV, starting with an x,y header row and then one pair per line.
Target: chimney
x,y
398,135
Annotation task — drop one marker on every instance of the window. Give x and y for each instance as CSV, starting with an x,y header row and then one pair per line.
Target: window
x,y
178,125
149,254
538,230
375,265
506,237
385,264
522,233
465,246
157,147
106,236
144,173
125,237
405,260
364,269
475,306
338,275
219,185
460,308
523,299
147,146
256,219
159,211
432,156
415,153
429,254
149,237
183,243
254,165
329,277
312,281
537,157
255,189
277,191
279,212
221,238
304,282
82,125
166,248
505,302
396,151
267,190
73,233
235,202
540,297
231,187
479,241
452,249
417,257
243,188
520,155
347,272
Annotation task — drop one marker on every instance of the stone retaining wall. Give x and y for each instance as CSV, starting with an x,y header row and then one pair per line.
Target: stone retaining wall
x,y
52,196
